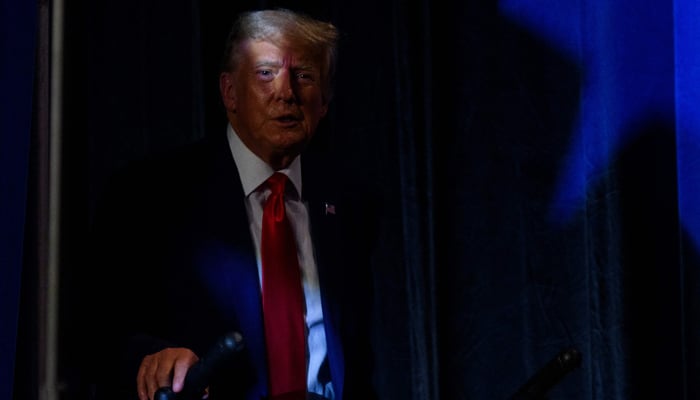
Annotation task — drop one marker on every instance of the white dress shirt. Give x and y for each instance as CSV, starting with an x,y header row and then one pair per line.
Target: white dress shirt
x,y
254,172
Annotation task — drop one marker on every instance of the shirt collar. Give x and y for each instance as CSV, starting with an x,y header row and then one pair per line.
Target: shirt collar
x,y
253,170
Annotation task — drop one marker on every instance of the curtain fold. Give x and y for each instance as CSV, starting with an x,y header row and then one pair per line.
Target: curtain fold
x,y
411,25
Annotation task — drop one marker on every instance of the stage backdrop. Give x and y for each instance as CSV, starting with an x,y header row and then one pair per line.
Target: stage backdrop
x,y
540,163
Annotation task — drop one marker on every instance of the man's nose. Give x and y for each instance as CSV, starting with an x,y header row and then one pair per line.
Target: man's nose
x,y
285,86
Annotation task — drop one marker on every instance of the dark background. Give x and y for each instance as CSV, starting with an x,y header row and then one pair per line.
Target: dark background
x,y
472,119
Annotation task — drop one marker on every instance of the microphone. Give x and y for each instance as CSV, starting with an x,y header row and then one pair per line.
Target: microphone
x,y
199,374
552,373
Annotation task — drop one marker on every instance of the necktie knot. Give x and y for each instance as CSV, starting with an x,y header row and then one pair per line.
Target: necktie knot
x,y
277,182
274,205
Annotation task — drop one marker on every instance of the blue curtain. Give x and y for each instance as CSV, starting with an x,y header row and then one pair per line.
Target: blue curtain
x,y
687,99
18,22
570,175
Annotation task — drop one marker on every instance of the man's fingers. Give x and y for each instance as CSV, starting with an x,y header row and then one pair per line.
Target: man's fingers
x,y
183,363
179,376
145,376
165,368
163,377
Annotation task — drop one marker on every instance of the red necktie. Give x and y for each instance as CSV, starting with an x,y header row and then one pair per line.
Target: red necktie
x,y
283,299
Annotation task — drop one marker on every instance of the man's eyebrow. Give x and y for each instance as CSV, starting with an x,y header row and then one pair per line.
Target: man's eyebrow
x,y
268,63
304,67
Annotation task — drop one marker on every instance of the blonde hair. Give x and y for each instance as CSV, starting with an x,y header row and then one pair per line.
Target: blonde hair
x,y
287,27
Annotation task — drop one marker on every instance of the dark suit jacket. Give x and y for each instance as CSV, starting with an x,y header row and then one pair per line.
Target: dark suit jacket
x,y
174,265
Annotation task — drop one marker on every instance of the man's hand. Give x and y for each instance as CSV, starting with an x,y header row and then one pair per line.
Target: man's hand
x,y
165,368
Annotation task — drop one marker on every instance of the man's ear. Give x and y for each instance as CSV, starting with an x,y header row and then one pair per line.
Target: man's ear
x,y
324,109
228,95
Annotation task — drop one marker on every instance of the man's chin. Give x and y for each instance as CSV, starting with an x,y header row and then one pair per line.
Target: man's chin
x,y
291,141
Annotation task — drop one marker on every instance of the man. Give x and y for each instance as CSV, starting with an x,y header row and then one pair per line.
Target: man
x,y
183,243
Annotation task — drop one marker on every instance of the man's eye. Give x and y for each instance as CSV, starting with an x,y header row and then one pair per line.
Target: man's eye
x,y
305,76
265,74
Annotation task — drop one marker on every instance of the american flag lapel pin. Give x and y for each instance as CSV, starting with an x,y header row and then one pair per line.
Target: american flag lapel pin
x,y
329,209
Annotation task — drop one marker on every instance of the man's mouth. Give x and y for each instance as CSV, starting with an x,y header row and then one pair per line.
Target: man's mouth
x,y
288,118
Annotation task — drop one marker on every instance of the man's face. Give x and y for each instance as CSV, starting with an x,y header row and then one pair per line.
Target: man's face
x,y
274,100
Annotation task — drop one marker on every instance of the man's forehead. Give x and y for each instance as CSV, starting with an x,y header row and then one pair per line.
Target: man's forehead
x,y
262,52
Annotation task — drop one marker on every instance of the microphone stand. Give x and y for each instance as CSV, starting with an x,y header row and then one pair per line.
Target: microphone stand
x,y
552,373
